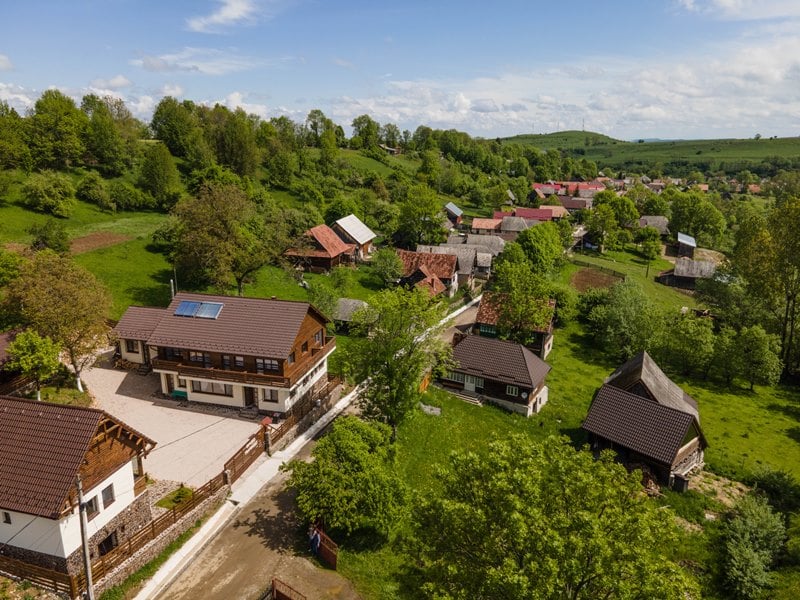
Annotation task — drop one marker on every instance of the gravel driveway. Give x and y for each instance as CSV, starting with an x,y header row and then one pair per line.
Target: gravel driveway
x,y
192,446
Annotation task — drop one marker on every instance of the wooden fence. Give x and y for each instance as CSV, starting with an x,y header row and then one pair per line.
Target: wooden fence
x,y
246,455
302,408
328,550
283,591
57,581
586,263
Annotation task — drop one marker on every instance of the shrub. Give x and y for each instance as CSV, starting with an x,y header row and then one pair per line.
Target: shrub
x,y
49,192
127,197
93,189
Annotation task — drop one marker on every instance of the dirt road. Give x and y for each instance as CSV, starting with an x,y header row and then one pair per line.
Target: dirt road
x,y
262,542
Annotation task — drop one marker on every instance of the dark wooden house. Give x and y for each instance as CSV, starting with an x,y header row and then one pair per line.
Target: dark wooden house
x,y
324,250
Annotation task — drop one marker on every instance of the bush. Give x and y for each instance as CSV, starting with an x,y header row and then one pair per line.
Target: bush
x,y
780,488
49,192
127,197
93,189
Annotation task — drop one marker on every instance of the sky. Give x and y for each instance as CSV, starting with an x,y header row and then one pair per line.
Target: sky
x,y
627,68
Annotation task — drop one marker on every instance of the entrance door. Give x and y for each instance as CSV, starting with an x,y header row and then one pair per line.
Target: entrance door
x,y
249,396
145,353
469,383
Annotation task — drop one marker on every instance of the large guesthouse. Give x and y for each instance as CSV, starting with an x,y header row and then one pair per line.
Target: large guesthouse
x,y
240,352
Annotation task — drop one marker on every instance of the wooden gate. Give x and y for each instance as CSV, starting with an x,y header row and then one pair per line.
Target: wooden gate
x,y
246,455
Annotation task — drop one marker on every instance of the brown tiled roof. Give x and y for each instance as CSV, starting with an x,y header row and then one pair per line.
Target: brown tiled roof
x,y
491,224
430,282
642,370
328,244
441,265
42,447
490,307
139,322
499,360
636,423
250,326
575,203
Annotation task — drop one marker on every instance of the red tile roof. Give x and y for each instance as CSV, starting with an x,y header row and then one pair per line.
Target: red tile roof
x,y
42,448
441,265
430,282
327,244
499,214
484,224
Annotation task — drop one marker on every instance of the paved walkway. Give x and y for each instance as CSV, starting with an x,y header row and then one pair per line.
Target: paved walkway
x,y
191,446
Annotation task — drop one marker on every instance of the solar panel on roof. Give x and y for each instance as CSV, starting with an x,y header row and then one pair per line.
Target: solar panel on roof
x,y
187,308
209,310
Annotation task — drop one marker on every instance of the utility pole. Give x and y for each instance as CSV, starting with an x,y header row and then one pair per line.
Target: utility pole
x,y
87,560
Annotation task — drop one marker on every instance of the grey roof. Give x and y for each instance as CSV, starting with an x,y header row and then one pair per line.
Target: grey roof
x,y
453,209
694,269
354,228
651,429
251,326
494,243
642,376
515,224
465,255
483,259
686,240
660,222
139,322
499,360
345,307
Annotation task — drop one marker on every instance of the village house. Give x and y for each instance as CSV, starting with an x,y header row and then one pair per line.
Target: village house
x,y
686,273
658,222
257,353
500,372
493,244
436,273
543,213
351,230
573,204
325,250
686,245
648,420
466,257
488,316
345,309
454,215
44,449
481,226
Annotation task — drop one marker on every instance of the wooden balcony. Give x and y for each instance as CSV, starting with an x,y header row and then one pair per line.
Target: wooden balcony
x,y
296,372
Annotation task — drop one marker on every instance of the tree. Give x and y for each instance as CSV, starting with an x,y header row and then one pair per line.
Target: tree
x,y
223,238
544,521
421,218
690,343
56,131
323,297
693,213
50,234
430,169
236,144
159,176
62,301
387,265
752,538
603,226
340,207
49,192
627,322
542,245
14,151
365,133
726,361
760,361
524,307
395,343
625,212
104,143
173,124
34,356
349,485
93,189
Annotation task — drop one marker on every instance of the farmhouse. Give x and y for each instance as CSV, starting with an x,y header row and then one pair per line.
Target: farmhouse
x,y
686,245
486,225
648,420
454,214
240,352
44,448
435,272
687,272
488,316
466,264
501,372
352,231
325,250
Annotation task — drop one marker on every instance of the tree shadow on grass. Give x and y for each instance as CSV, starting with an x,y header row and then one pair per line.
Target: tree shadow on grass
x,y
790,410
157,294
794,433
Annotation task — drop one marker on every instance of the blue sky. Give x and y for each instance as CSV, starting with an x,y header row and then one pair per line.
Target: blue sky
x,y
627,68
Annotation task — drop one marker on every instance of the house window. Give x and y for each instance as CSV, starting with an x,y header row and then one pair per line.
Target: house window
x,y
270,395
181,382
132,346
226,361
6,518
108,496
108,544
318,338
453,376
512,390
291,359
200,357
488,329
212,387
304,348
239,361
266,364
91,508
173,353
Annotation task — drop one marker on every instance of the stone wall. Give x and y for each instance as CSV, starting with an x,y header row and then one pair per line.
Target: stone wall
x,y
155,547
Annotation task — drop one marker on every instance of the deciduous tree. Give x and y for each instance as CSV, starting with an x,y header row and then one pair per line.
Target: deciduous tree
x,y
33,356
387,265
542,245
159,176
49,192
56,131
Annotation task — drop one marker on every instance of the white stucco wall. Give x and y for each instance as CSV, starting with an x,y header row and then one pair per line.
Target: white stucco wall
x,y
62,537
137,357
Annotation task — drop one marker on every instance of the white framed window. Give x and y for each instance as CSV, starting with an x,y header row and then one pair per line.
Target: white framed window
x,y
132,346
212,387
512,390
108,496
454,376
270,395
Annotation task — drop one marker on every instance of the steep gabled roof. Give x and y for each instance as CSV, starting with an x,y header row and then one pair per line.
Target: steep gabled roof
x,y
453,209
427,280
649,428
355,228
641,371
465,255
139,322
499,360
42,448
331,243
441,265
249,326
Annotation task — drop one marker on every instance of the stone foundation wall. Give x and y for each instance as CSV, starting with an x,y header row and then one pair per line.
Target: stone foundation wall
x,y
47,561
155,547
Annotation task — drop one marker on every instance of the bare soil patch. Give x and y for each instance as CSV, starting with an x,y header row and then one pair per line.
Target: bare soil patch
x,y
587,278
723,490
98,239
709,255
15,247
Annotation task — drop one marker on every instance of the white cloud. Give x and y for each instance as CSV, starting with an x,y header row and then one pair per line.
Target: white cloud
x,y
17,96
117,82
142,106
5,63
171,89
207,61
231,12
744,10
